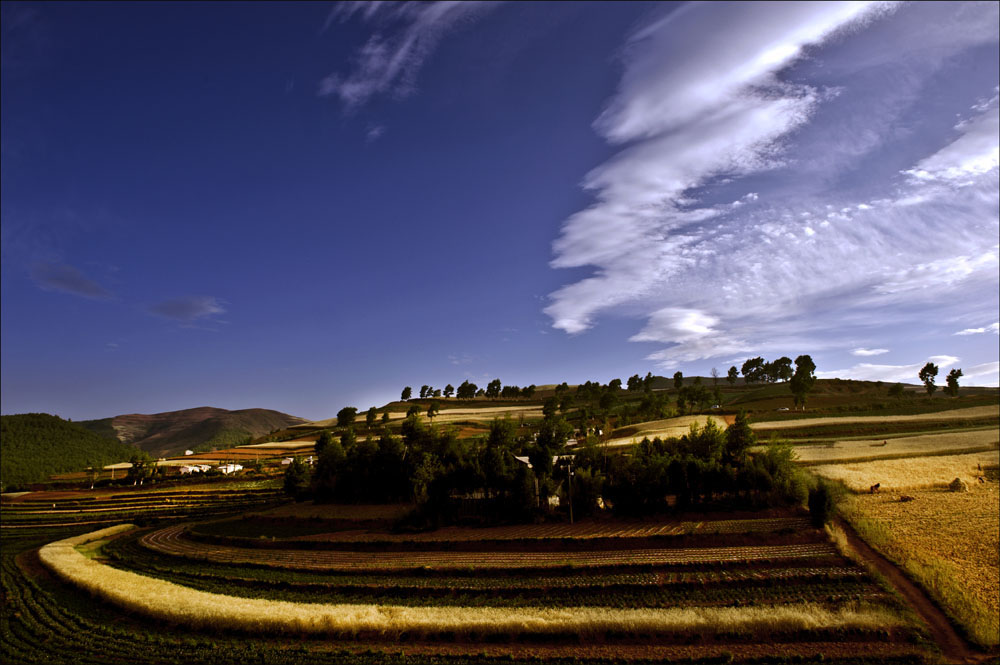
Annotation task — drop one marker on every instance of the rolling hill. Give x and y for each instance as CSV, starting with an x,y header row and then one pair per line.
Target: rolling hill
x,y
172,432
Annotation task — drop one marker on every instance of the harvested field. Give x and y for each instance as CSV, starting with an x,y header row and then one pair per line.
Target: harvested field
x,y
908,446
953,414
910,473
665,429
163,600
949,542
278,445
172,540
381,511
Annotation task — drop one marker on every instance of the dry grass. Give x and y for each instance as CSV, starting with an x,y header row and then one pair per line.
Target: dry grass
x,y
665,429
954,414
948,542
177,604
910,473
909,446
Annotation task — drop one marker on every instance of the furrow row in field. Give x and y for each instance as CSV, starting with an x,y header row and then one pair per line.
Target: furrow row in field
x,y
171,540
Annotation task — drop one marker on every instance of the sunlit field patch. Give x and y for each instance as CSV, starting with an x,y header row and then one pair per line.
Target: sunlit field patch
x,y
909,446
909,473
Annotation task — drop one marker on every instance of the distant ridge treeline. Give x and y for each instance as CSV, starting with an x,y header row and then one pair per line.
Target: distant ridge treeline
x,y
34,446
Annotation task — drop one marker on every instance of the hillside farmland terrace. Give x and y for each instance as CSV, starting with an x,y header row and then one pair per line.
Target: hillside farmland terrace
x,y
235,573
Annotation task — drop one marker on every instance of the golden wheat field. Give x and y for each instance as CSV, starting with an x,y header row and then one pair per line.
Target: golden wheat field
x,y
182,605
923,444
947,541
910,473
665,429
953,414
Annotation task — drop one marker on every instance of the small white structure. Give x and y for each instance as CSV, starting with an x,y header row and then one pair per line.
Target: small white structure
x,y
203,467
286,461
189,452
230,468
190,469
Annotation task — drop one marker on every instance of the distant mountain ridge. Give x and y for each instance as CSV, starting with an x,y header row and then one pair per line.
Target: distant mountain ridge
x,y
173,432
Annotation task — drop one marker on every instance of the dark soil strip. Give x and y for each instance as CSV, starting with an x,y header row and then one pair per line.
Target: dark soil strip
x,y
954,648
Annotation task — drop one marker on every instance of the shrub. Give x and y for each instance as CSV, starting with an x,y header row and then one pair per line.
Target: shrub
x,y
820,504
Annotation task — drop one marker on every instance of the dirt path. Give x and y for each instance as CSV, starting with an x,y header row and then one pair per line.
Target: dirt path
x,y
954,648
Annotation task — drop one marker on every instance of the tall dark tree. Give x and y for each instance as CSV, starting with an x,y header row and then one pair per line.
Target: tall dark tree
x,y
449,390
370,416
678,379
803,379
739,439
634,383
433,410
346,416
647,382
753,370
782,369
297,480
528,391
927,374
423,390
406,394
493,389
324,440
732,375
952,379
615,384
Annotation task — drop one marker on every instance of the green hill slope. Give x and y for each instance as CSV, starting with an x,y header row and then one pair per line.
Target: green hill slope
x,y
34,446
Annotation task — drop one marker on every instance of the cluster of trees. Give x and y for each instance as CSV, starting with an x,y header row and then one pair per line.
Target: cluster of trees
x,y
468,390
507,476
757,370
928,374
707,465
435,469
34,446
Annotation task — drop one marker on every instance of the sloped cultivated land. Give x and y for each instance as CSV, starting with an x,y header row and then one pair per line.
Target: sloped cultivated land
x,y
742,588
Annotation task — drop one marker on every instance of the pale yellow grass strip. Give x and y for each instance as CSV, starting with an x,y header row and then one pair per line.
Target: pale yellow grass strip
x,y
665,429
915,446
908,474
166,601
953,414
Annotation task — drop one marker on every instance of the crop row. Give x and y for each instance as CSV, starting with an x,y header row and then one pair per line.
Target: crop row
x,y
165,601
171,540
242,528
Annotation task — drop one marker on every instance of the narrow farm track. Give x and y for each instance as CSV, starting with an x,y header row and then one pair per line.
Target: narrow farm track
x,y
954,648
172,541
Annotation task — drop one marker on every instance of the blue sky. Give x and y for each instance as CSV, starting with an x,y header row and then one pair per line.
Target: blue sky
x,y
305,206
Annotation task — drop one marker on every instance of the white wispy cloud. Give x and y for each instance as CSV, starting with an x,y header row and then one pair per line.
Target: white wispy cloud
x,y
899,373
992,328
406,34
868,352
704,224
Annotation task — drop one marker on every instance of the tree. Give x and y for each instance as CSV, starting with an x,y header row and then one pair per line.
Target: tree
x,y
715,377
370,416
406,394
803,379
753,370
413,411
615,384
647,382
433,410
896,390
781,369
324,440
449,390
550,407
678,379
467,390
528,391
345,417
423,390
927,374
493,389
952,379
634,383
296,483
733,375
385,417
739,439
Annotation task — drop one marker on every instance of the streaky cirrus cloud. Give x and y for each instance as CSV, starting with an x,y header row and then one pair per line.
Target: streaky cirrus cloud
x,y
900,373
771,194
189,310
992,328
406,34
67,279
861,351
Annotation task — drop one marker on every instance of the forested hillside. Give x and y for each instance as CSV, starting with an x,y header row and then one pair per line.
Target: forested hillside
x,y
34,446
